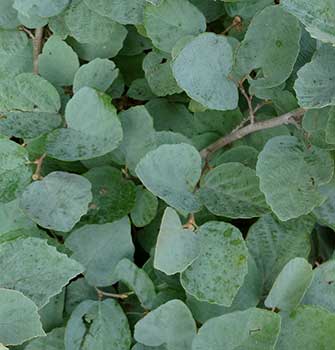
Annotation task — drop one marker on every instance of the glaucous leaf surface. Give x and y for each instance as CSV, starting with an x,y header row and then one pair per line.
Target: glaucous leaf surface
x,y
15,171
322,289
176,247
97,325
36,269
273,243
171,172
298,331
271,46
43,8
250,329
232,190
58,201
93,128
58,63
98,74
99,248
171,325
314,86
52,341
122,11
220,269
290,285
318,18
205,78
19,318
290,175
181,18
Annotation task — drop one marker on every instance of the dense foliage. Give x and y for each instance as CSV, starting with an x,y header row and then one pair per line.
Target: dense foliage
x,y
167,174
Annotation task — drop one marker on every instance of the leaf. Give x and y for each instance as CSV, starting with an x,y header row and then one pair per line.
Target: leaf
x,y
99,248
181,18
93,128
15,171
88,27
325,213
58,201
53,341
248,296
250,329
124,11
218,273
8,16
97,325
316,17
12,41
205,78
322,290
98,74
27,265
298,332
315,83
273,52
138,135
176,247
232,190
171,324
273,243
43,8
290,285
171,172
145,208
18,318
137,280
36,94
58,63
158,72
288,169
113,195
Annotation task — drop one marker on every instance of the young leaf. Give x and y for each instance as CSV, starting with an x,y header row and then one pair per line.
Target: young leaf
x,y
171,172
218,273
289,170
205,78
176,247
32,262
58,201
18,318
99,248
171,324
250,329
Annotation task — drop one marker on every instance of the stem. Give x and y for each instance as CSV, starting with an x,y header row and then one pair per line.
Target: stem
x,y
39,162
191,224
37,47
287,118
249,101
123,296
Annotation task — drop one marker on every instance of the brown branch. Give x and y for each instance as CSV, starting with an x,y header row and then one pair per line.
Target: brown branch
x,y
38,162
37,47
101,294
288,118
249,101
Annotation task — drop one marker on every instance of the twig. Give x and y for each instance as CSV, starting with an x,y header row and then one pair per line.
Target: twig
x,y
39,162
261,105
123,296
237,21
191,224
27,31
288,118
249,101
37,47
